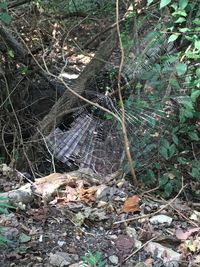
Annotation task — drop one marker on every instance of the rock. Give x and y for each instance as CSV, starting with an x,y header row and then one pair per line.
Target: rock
x,y
161,219
60,259
114,259
61,243
171,264
164,253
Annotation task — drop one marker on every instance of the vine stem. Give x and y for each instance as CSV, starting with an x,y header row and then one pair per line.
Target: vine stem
x,y
123,122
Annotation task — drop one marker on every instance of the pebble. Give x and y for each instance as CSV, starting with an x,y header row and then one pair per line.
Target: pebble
x,y
114,259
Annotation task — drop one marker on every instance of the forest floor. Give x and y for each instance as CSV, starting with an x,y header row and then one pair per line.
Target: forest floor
x,y
108,221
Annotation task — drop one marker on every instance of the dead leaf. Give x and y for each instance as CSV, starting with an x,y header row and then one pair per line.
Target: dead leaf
x,y
124,244
88,195
38,214
57,200
197,259
195,216
131,204
71,193
183,250
149,262
193,245
92,214
180,234
13,255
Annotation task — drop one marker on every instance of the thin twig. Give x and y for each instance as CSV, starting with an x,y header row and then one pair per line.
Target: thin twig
x,y
138,249
18,123
123,122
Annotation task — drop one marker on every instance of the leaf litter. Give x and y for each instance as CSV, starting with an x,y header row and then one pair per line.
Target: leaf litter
x,y
83,215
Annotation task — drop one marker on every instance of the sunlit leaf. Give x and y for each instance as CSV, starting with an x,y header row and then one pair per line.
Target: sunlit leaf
x,y
183,3
149,2
164,3
197,45
181,68
173,37
195,95
180,20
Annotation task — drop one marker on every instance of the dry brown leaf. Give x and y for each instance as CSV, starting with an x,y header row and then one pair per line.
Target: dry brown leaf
x,y
88,195
149,262
71,193
131,204
124,244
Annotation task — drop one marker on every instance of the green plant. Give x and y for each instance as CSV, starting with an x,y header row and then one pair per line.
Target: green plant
x,y
127,41
4,206
94,259
4,15
177,130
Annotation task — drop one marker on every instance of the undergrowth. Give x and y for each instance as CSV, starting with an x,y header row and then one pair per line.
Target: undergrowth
x,y
4,209
174,79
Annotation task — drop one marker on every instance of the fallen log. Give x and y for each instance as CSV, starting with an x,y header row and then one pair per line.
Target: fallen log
x,y
46,187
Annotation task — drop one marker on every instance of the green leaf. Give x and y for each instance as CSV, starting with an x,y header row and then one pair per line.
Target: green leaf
x,y
165,143
4,204
194,136
164,152
196,173
175,139
149,2
180,20
185,113
181,68
173,37
182,160
3,5
197,45
157,165
183,29
5,17
150,174
3,211
174,6
195,95
126,168
98,256
163,180
183,4
172,150
102,263
11,53
179,13
164,3
168,189
24,238
174,83
192,38
198,73
196,21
